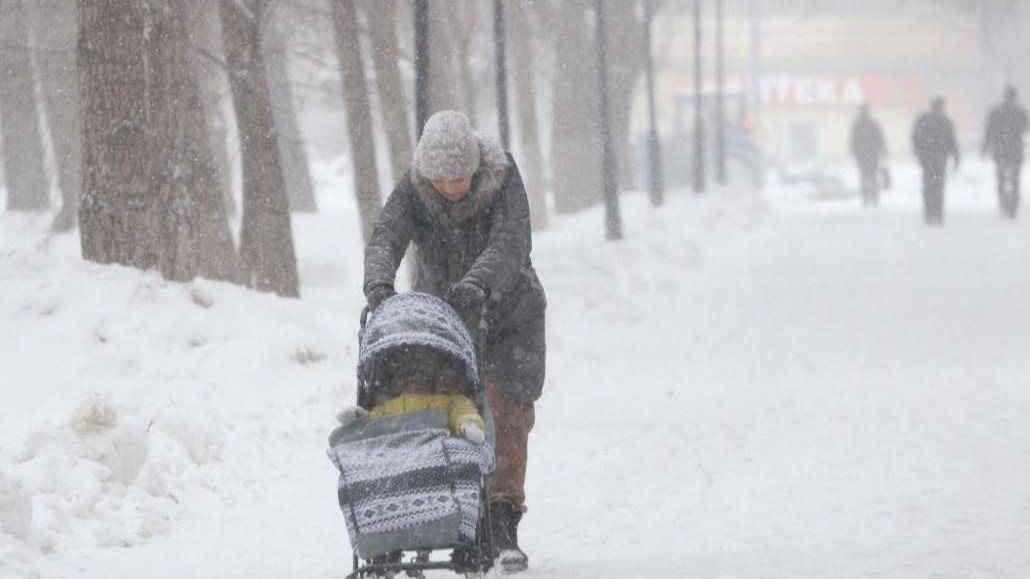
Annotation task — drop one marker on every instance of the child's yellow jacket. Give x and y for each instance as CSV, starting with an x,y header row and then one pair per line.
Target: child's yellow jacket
x,y
457,407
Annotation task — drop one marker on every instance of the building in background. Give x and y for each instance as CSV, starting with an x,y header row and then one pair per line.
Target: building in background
x,y
819,65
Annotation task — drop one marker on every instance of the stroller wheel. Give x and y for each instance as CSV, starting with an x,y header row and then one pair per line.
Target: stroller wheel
x,y
388,559
421,557
376,575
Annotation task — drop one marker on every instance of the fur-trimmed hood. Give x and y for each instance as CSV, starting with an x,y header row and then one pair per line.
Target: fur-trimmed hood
x,y
486,183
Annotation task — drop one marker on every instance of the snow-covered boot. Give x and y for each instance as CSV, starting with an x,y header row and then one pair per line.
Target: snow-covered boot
x,y
508,557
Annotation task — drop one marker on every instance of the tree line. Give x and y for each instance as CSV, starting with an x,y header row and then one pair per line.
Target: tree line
x,y
137,99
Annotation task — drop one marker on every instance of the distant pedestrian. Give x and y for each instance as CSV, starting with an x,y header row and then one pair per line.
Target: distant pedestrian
x,y
869,149
1003,140
934,142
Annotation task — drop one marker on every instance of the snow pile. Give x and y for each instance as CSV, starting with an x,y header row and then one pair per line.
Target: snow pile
x,y
15,508
584,275
89,472
136,403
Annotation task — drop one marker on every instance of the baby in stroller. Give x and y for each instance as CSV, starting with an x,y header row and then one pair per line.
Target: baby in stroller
x,y
415,377
415,453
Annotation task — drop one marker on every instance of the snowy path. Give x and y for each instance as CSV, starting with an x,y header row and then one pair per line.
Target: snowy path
x,y
841,395
734,392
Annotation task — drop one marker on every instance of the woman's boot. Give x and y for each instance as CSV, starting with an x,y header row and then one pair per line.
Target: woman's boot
x,y
508,557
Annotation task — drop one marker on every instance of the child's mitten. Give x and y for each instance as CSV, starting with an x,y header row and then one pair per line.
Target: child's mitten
x,y
350,415
472,432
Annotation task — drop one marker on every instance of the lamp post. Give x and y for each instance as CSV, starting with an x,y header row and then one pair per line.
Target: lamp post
x,y
720,110
655,184
699,123
758,172
421,65
500,52
612,219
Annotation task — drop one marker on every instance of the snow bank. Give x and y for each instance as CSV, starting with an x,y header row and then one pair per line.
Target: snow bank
x,y
15,508
135,401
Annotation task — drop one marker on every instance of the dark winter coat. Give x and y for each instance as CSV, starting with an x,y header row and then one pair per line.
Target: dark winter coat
x,y
484,238
934,140
867,143
1003,137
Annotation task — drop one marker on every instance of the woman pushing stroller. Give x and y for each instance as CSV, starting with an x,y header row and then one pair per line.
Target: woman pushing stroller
x,y
465,208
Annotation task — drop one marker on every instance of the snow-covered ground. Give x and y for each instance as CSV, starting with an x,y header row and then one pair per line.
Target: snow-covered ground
x,y
749,385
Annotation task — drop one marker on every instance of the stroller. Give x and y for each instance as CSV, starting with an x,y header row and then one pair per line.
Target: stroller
x,y
407,487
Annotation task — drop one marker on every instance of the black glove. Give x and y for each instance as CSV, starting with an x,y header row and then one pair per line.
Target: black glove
x,y
378,294
467,297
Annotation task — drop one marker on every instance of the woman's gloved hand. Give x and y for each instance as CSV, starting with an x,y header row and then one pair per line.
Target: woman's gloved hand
x,y
466,297
378,294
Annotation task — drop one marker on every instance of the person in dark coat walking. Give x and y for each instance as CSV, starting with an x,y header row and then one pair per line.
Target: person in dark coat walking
x,y
1003,140
869,148
464,206
934,142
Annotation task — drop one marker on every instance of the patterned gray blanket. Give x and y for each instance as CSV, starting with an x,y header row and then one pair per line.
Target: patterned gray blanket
x,y
406,484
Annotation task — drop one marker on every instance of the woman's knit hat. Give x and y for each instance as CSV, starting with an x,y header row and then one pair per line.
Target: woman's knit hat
x,y
448,149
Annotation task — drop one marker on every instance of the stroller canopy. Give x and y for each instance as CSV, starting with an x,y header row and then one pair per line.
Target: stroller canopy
x,y
415,319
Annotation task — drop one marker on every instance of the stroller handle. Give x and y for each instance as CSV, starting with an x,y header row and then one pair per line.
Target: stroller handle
x,y
480,344
480,335
364,320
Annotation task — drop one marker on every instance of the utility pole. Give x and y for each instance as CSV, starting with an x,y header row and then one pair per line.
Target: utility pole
x,y
422,55
758,171
699,124
656,186
756,60
720,104
500,52
612,218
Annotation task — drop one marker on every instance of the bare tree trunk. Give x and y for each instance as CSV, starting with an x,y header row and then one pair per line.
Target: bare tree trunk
x,y
382,18
267,258
193,228
575,142
27,187
392,102
214,92
291,142
53,26
626,57
118,207
442,67
150,194
359,117
463,25
525,101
